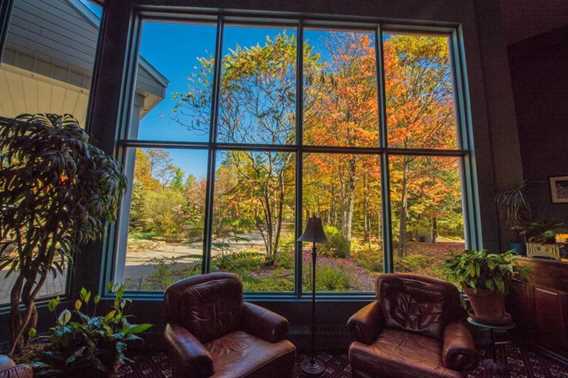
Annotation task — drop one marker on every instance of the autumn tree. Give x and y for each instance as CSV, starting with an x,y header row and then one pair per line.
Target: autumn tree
x,y
342,110
420,114
257,105
163,202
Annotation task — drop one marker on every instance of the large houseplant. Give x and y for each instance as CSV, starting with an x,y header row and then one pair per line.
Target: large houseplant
x,y
485,277
57,191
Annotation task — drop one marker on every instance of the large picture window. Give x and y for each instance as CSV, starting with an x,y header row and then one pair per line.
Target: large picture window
x,y
259,125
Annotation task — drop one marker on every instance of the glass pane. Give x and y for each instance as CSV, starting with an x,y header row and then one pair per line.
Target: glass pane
x,y
174,82
427,215
253,219
47,65
340,88
165,223
421,108
258,86
345,190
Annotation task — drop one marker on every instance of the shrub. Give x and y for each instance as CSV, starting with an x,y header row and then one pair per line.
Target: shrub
x,y
270,280
368,257
168,270
285,257
331,279
336,246
328,278
238,262
413,263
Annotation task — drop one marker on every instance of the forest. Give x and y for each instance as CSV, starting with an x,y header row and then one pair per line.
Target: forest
x,y
255,190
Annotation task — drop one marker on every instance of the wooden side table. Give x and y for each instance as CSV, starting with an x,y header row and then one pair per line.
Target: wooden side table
x,y
493,364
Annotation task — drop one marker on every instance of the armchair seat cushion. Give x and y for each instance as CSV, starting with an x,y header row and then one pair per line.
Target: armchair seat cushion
x,y
400,354
240,354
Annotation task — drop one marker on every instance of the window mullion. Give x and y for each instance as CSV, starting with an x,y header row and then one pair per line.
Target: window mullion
x,y
387,230
469,183
208,229
299,155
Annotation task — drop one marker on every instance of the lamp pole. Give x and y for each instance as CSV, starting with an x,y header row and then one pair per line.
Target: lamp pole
x,y
314,233
313,328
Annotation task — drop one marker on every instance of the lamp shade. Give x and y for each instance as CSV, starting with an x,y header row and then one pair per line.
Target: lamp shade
x,y
314,231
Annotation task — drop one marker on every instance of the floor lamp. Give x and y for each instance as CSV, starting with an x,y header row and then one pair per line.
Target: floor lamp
x,y
314,233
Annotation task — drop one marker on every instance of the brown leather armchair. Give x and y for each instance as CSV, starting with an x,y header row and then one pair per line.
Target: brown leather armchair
x,y
210,331
415,328
8,369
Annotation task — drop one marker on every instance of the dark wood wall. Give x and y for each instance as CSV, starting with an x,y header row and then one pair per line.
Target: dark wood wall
x,y
539,70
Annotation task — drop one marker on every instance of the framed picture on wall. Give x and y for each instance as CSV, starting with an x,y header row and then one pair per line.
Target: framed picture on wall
x,y
559,189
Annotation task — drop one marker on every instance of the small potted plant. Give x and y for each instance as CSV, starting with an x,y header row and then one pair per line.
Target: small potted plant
x,y
486,278
83,343
516,211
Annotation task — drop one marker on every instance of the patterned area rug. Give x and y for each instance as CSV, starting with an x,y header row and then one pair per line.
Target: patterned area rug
x,y
520,363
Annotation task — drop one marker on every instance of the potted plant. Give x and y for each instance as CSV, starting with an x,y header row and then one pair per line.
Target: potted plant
x,y
85,344
516,211
486,278
58,192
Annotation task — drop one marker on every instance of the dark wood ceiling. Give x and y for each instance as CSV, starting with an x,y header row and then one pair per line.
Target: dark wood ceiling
x,y
526,18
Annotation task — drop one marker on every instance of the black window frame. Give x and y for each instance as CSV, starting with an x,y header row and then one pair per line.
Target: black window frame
x,y
383,151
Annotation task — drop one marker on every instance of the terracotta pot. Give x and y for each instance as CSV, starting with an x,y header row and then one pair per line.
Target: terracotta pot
x,y
488,306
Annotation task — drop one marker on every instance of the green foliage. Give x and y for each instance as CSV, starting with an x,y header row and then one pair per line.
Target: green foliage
x,y
90,345
58,192
238,262
329,278
336,246
412,263
168,270
367,256
542,232
483,270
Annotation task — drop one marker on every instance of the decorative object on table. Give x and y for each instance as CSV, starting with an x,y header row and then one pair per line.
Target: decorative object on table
x,y
313,233
542,239
551,251
85,344
516,211
210,330
485,277
416,327
493,365
559,189
58,192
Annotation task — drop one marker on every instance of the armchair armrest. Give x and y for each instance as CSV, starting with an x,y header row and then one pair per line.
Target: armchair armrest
x,y
189,355
263,323
459,352
366,323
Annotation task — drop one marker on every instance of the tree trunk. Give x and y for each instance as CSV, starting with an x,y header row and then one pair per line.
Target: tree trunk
x,y
403,210
434,231
366,217
347,221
